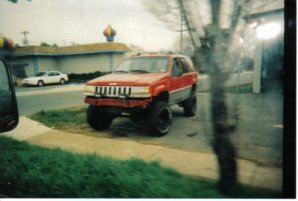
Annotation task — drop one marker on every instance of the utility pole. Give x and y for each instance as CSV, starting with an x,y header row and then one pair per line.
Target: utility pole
x,y
182,29
181,33
25,41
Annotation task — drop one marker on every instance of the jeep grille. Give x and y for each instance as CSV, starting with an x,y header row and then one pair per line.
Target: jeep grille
x,y
114,91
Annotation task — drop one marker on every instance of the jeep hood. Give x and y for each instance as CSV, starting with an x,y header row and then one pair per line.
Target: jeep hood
x,y
134,79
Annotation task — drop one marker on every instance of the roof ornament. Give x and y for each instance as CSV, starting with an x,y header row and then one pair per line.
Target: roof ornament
x,y
109,32
6,42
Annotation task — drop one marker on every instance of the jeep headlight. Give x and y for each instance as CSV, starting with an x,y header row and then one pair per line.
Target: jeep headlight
x,y
141,92
89,90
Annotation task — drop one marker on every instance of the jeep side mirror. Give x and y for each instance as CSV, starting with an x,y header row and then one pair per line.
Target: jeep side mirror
x,y
9,115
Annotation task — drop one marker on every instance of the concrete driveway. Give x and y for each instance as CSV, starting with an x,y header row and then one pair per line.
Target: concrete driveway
x,y
259,136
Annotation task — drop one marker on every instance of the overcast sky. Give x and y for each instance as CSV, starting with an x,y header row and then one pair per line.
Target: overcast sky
x,y
82,22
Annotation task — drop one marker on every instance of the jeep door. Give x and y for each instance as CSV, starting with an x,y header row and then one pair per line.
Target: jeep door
x,y
187,74
178,90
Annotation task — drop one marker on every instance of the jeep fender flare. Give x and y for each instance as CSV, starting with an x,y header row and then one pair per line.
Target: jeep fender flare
x,y
161,93
159,89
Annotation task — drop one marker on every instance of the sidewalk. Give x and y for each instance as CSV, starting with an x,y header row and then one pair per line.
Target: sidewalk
x,y
189,163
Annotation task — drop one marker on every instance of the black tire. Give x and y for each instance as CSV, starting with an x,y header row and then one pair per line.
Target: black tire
x,y
62,81
190,105
98,118
160,119
40,83
138,117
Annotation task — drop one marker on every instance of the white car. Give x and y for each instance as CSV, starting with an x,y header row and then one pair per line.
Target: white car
x,y
46,77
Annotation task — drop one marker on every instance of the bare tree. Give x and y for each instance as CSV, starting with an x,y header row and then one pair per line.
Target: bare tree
x,y
212,38
217,56
164,10
215,53
169,11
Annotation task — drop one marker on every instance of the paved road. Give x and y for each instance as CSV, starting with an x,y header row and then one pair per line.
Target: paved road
x,y
34,99
259,135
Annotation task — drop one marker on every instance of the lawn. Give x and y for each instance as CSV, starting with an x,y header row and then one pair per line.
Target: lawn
x,y
29,171
71,120
59,118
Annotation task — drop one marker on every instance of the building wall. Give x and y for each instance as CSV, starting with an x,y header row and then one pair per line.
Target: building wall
x,y
44,63
87,63
245,77
47,63
27,61
84,63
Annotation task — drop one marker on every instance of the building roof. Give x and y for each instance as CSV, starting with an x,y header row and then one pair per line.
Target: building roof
x,y
265,6
70,50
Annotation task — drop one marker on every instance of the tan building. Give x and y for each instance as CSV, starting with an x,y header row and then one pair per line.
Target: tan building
x,y
27,61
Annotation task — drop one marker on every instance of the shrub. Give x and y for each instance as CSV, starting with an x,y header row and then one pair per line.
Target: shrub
x,y
83,77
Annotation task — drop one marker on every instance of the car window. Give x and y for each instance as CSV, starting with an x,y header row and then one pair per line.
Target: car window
x,y
176,70
5,98
40,74
184,65
53,73
144,64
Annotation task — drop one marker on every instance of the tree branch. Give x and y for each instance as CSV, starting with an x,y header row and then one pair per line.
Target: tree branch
x,y
183,12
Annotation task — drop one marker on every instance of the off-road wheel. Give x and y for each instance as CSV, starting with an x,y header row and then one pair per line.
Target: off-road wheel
x,y
159,119
98,117
138,117
190,105
40,83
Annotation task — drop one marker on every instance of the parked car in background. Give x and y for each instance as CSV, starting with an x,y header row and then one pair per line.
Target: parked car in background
x,y
46,77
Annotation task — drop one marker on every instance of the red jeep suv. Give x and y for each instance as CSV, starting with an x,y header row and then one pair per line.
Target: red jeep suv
x,y
143,87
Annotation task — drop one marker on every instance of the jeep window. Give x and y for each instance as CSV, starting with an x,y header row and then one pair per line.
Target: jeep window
x,y
184,64
176,70
189,63
144,65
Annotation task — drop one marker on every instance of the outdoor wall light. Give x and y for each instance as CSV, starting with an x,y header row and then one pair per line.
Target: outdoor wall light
x,y
268,31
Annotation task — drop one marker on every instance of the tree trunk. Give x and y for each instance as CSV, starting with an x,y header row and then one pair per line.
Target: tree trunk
x,y
218,60
223,148
214,54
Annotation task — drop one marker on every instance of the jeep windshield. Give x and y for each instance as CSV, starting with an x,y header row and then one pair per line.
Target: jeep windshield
x,y
143,65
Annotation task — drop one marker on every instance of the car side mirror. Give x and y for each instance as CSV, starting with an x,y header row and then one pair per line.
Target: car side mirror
x,y
9,115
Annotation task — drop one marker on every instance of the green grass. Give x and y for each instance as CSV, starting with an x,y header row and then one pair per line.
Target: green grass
x,y
58,118
28,171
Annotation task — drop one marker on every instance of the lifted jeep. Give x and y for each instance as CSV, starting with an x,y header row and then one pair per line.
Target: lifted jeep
x,y
143,87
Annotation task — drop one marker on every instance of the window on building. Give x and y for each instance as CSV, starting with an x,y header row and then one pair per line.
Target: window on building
x,y
18,70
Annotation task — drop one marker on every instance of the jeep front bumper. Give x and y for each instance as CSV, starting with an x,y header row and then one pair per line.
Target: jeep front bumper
x,y
118,102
